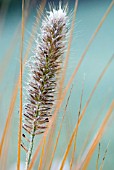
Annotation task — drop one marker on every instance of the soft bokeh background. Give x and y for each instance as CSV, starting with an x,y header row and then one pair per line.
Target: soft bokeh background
x,y
88,17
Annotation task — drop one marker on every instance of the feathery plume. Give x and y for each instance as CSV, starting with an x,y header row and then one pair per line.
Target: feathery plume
x,y
45,67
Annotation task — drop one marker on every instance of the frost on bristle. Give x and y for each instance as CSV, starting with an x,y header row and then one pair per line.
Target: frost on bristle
x,y
44,68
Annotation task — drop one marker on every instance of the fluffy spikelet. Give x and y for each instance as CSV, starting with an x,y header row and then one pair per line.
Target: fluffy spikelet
x,y
45,65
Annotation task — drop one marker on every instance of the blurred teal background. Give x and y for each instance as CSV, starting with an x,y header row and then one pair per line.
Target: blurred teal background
x,y
88,17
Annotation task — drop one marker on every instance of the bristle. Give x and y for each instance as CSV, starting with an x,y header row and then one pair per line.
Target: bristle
x,y
22,145
24,136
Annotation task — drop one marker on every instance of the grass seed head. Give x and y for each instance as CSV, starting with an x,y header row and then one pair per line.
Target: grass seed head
x,y
45,66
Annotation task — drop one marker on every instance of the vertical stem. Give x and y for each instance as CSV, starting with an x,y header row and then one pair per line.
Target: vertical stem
x,y
29,154
21,92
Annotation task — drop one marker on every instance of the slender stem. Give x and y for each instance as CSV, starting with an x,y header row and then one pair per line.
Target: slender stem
x,y
29,154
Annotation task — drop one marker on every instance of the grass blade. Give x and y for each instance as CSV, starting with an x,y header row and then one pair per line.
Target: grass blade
x,y
20,111
59,132
102,164
87,157
68,50
74,148
87,47
41,157
34,30
97,162
83,112
9,117
91,130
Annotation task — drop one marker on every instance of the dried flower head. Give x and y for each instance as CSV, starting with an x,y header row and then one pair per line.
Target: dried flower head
x,y
44,68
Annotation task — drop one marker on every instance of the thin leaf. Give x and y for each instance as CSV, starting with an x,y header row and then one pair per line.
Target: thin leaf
x,y
59,132
91,130
74,148
20,111
98,156
41,157
87,47
87,156
102,163
9,117
68,50
34,30
83,112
